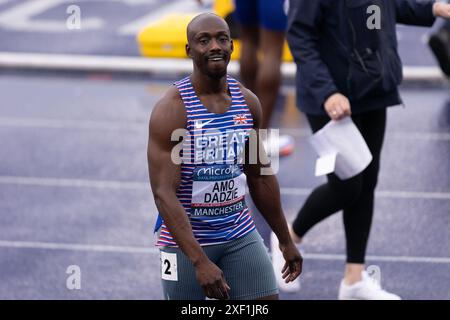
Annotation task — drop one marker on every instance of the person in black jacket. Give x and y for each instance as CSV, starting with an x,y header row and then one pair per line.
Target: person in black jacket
x,y
348,65
439,43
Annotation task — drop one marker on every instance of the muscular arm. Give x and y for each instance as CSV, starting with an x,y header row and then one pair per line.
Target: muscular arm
x,y
167,116
165,174
265,192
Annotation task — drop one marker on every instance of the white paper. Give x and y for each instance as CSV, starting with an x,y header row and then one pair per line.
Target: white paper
x,y
343,139
326,164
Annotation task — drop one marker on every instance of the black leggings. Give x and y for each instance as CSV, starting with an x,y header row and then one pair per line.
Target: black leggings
x,y
355,196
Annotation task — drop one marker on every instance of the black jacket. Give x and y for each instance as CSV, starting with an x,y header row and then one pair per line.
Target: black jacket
x,y
335,51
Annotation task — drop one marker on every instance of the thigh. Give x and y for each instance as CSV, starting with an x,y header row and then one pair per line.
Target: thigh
x,y
272,15
248,269
373,127
178,276
246,12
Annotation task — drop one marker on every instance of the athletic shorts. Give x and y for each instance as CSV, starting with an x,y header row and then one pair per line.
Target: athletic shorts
x,y
268,14
245,263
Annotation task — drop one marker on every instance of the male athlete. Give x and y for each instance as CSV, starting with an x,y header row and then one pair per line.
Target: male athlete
x,y
207,237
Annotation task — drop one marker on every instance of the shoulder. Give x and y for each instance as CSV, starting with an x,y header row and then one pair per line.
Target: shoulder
x,y
253,104
169,111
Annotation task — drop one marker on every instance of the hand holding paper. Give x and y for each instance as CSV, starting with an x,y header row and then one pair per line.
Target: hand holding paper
x,y
341,148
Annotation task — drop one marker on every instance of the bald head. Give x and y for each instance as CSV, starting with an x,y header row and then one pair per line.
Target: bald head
x,y
204,22
209,45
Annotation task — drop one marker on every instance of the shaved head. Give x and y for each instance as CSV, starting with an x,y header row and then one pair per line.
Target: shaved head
x,y
204,21
209,45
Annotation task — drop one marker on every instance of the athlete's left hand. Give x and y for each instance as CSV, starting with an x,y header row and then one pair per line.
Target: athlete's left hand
x,y
294,262
441,9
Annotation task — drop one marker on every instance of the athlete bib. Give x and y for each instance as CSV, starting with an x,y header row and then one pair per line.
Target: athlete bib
x,y
218,190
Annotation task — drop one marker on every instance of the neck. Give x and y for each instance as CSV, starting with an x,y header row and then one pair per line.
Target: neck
x,y
206,84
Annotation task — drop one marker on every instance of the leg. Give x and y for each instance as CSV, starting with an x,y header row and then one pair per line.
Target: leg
x,y
358,217
246,14
273,22
328,198
272,297
249,56
248,270
269,72
185,285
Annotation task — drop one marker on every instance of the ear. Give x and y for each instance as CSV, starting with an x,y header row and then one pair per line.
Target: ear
x,y
231,46
188,50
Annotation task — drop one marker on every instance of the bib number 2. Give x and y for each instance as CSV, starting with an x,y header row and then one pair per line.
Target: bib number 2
x,y
169,266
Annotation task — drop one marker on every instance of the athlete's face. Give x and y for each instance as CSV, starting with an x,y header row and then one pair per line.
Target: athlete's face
x,y
210,45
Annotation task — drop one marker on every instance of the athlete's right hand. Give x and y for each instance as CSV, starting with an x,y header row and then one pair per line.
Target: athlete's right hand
x,y
337,106
212,280
294,262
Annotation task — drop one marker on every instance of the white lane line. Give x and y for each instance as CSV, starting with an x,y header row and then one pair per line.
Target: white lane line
x,y
72,124
46,123
76,183
87,63
186,7
341,257
154,250
433,136
401,135
379,194
22,18
75,247
413,195
159,65
134,185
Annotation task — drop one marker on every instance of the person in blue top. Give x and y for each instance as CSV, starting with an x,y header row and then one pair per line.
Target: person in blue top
x,y
262,32
348,66
208,241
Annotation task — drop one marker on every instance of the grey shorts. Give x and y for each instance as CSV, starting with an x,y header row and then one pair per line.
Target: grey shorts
x,y
245,263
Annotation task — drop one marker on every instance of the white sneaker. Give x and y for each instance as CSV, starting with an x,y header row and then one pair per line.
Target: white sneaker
x,y
284,146
278,263
366,289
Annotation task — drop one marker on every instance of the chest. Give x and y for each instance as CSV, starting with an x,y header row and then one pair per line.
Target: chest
x,y
216,103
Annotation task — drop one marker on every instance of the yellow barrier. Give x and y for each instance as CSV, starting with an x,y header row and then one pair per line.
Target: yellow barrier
x,y
166,38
